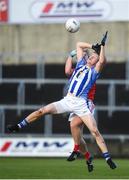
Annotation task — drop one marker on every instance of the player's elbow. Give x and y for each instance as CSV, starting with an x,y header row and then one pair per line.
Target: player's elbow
x,y
102,59
67,69
67,72
105,60
102,62
79,44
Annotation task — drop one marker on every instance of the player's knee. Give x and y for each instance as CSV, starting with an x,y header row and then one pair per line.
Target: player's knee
x,y
40,112
73,125
95,132
76,123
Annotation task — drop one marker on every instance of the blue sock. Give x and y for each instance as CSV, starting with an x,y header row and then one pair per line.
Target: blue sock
x,y
23,123
106,155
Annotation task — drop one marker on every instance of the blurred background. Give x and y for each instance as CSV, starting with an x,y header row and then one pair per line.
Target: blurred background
x,y
34,45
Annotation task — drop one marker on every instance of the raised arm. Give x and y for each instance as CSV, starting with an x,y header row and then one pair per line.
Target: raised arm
x,y
80,49
102,59
69,63
68,66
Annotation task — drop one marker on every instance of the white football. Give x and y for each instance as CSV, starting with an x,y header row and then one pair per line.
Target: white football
x,y
72,25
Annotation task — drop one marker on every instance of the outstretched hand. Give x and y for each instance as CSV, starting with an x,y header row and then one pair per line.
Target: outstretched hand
x,y
97,47
103,41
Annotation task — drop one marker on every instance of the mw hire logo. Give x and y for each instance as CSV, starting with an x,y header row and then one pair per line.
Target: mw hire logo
x,y
32,145
64,8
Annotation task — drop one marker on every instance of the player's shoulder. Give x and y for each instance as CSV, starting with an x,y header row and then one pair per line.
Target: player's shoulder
x,y
94,71
81,62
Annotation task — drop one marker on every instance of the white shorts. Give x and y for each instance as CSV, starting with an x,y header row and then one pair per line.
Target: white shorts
x,y
91,107
72,104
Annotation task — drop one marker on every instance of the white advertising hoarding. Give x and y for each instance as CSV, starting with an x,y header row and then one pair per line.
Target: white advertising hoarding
x,y
57,11
36,147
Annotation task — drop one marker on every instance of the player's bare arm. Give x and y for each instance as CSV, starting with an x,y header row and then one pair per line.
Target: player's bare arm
x,y
68,66
80,48
102,60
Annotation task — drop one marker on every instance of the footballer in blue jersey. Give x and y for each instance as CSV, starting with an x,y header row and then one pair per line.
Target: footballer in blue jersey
x,y
82,79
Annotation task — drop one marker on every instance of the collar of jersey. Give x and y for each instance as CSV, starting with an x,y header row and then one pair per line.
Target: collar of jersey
x,y
87,67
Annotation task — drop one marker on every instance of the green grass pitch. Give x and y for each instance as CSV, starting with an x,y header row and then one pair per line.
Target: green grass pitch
x,y
59,168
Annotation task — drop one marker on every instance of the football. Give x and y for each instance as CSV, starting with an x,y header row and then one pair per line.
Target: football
x,y
72,25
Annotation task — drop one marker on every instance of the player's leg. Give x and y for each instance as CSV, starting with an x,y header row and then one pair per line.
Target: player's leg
x,y
76,126
53,108
92,126
48,109
84,150
75,123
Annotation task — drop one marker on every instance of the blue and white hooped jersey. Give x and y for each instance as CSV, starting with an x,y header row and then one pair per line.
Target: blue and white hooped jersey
x,y
82,79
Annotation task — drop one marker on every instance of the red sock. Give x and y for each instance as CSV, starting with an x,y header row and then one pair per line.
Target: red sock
x,y
76,147
87,155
